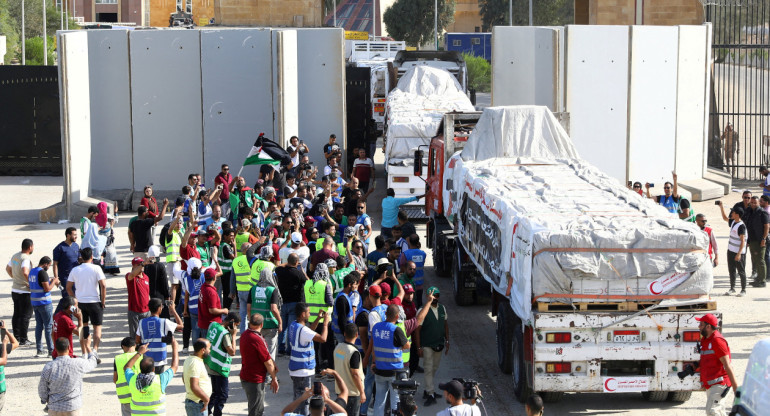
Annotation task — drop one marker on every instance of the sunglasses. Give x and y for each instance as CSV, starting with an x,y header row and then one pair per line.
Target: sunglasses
x,y
746,197
637,187
666,187
361,207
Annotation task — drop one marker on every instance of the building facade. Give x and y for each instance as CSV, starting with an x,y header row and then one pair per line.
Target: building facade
x,y
638,12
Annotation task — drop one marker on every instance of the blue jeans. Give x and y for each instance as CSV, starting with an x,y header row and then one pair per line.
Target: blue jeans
x,y
380,399
287,317
243,298
368,386
299,385
43,319
194,408
196,332
220,391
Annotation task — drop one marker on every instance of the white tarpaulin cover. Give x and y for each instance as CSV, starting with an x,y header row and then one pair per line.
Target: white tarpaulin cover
x,y
528,206
415,108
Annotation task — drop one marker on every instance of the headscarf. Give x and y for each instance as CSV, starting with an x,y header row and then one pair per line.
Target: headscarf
x,y
321,273
101,217
330,263
144,380
267,279
266,252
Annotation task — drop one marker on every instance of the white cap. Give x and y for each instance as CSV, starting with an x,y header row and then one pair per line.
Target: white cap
x,y
192,263
296,237
153,251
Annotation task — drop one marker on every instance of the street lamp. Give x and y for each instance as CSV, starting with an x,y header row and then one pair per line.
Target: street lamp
x,y
45,39
510,12
435,22
23,37
335,13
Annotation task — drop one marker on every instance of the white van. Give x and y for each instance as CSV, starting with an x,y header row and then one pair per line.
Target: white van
x,y
755,392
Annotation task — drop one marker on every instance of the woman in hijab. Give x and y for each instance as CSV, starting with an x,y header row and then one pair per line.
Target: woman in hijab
x,y
266,281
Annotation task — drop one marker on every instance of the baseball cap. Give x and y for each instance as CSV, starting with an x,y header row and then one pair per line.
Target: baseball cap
x,y
709,319
245,223
269,190
382,261
153,251
408,288
375,291
193,263
296,237
137,261
434,290
309,220
210,273
454,387
385,288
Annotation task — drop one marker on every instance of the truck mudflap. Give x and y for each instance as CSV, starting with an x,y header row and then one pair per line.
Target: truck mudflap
x,y
579,352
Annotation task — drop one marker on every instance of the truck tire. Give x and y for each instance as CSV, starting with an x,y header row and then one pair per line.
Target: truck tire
x,y
679,396
551,396
504,337
462,295
655,396
521,387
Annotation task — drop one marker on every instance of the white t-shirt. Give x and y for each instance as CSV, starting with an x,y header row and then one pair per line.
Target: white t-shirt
x,y
167,326
86,279
26,264
303,253
306,335
461,410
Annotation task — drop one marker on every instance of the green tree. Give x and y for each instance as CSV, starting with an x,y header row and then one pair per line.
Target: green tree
x,y
34,51
8,29
544,12
10,24
479,72
412,20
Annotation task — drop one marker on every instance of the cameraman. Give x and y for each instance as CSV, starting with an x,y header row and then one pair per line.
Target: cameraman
x,y
453,394
321,403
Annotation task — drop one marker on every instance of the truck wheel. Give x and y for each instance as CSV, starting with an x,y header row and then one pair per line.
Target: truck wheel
x,y
551,396
463,296
504,335
521,387
655,396
439,247
679,396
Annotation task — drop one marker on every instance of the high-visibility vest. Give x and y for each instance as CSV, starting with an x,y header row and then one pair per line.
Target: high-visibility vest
x,y
257,265
386,356
380,310
193,287
121,386
225,264
240,238
418,257
38,296
218,360
405,354
302,355
172,246
242,272
260,303
150,401
339,248
2,379
335,314
315,297
205,253
153,330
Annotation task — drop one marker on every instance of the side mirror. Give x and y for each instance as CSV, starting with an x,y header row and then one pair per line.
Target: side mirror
x,y
418,163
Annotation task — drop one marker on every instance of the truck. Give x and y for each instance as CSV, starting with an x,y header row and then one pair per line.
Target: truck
x,y
414,112
594,288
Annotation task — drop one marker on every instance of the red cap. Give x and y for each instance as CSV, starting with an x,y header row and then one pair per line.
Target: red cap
x,y
385,288
408,288
210,273
309,220
709,319
137,261
375,291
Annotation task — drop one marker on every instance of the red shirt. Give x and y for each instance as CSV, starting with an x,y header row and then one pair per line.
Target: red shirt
x,y
63,327
253,356
711,350
152,206
187,251
225,180
208,298
138,293
410,309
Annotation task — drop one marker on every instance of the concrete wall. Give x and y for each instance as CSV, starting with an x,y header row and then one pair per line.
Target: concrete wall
x,y
268,12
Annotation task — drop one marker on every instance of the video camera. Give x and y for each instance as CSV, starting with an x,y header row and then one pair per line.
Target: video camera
x,y
470,389
404,385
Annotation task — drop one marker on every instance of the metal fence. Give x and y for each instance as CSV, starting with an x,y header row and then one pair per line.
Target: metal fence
x,y
30,137
739,128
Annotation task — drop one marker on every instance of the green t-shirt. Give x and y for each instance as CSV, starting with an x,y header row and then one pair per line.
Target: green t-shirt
x,y
404,280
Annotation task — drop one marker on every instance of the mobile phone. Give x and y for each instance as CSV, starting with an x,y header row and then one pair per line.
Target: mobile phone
x,y
652,185
3,333
717,202
317,388
630,183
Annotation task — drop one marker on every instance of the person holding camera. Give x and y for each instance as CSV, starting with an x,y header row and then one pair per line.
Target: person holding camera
x,y
671,200
321,403
296,150
716,373
454,392
302,361
389,341
157,331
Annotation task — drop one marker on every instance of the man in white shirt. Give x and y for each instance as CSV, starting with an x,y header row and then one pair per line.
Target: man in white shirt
x,y
453,394
296,150
363,169
302,359
87,284
302,251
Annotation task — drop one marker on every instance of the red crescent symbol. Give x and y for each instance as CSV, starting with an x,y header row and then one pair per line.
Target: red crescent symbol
x,y
653,291
606,384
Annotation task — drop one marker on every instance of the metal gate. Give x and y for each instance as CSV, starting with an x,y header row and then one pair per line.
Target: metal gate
x,y
30,136
739,128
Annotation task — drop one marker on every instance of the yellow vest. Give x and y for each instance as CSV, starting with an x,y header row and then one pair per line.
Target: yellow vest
x,y
172,247
151,401
339,248
405,354
240,239
257,267
242,273
121,386
315,297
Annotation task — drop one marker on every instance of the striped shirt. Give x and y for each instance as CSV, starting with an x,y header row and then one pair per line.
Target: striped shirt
x,y
61,382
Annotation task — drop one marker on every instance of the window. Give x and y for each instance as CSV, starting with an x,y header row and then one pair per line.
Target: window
x,y
106,1
457,42
475,41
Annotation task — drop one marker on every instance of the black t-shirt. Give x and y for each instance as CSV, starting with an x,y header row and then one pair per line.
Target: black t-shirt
x,y
227,251
350,206
399,340
329,148
362,319
158,278
745,210
42,276
755,224
291,282
342,307
407,229
142,230
279,182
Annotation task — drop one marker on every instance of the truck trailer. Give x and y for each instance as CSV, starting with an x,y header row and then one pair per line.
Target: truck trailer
x,y
594,288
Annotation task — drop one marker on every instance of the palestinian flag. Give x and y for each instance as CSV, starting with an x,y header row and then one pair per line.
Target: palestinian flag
x,y
266,152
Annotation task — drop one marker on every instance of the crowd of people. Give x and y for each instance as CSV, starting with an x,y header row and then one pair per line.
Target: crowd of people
x,y
289,267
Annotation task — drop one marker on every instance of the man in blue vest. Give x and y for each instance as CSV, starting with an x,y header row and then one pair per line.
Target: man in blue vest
x,y
40,288
343,313
415,255
192,280
389,340
154,331
302,360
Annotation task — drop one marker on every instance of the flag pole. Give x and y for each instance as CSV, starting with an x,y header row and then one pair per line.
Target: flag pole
x,y
239,171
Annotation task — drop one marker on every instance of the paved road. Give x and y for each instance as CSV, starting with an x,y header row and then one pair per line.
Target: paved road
x,y
472,353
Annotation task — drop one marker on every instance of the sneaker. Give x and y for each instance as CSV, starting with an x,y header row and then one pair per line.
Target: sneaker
x,y
430,401
40,354
425,395
98,360
730,292
419,369
26,343
758,284
742,294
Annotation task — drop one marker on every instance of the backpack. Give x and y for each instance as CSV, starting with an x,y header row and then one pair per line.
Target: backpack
x,y
163,237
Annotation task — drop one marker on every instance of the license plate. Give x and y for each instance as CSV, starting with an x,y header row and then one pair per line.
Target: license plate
x,y
625,336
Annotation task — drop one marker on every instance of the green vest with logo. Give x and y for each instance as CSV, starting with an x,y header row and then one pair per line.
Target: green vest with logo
x,y
218,360
315,297
225,264
242,272
405,353
260,303
150,401
205,253
339,248
121,386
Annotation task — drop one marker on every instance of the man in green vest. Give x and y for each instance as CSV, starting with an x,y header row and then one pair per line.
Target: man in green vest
x,y
222,339
243,282
338,275
225,256
148,390
432,337
128,345
265,299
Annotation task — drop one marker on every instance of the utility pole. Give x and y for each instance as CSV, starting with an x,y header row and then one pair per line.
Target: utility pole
x,y
530,13
510,12
23,37
374,18
435,22
45,38
61,15
335,13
